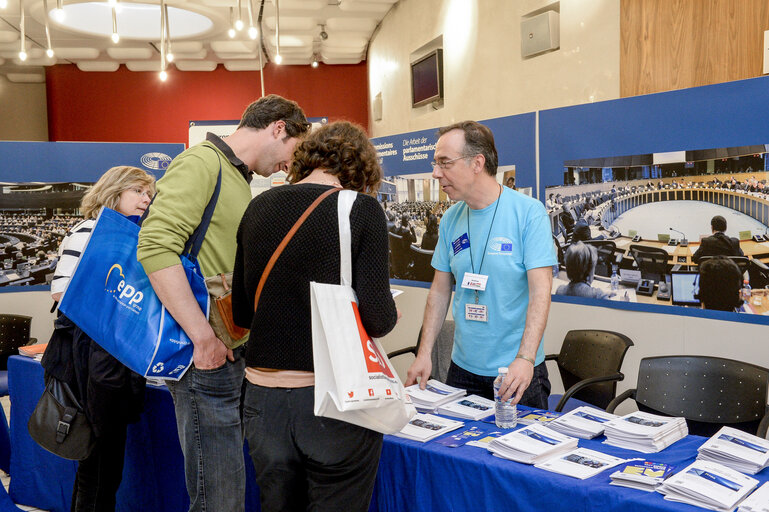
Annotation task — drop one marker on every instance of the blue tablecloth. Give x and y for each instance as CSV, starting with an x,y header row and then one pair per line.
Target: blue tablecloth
x,y
412,476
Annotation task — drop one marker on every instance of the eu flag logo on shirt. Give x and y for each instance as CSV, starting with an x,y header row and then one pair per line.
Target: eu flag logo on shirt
x,y
461,243
506,247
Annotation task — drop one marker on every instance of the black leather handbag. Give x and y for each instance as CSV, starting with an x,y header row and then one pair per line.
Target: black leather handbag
x,y
59,424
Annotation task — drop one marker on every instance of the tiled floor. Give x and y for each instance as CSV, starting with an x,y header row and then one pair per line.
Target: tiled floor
x,y
6,403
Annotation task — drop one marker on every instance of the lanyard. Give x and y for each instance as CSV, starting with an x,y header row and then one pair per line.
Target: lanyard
x,y
488,235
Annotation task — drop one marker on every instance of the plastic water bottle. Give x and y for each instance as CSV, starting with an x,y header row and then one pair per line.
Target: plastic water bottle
x,y
614,279
746,291
505,413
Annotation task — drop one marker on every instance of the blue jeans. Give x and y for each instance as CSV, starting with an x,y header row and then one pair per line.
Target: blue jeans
x,y
534,396
208,418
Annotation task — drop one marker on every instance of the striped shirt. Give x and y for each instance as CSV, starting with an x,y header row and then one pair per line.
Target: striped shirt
x,y
69,253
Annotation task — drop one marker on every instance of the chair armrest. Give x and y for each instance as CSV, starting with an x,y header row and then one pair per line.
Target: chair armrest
x,y
32,341
400,352
763,427
630,393
551,357
585,383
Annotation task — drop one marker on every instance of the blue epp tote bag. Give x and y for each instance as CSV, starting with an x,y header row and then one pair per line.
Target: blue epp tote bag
x,y
111,299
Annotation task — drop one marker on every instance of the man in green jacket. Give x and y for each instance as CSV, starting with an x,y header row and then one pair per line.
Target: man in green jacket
x,y
207,397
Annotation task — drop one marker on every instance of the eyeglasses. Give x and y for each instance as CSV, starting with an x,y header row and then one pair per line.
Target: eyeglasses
x,y
445,164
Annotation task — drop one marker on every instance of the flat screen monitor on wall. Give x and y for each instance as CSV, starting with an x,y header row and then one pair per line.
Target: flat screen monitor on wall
x,y
427,79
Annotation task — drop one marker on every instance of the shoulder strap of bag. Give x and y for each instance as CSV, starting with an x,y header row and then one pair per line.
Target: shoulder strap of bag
x,y
284,242
195,241
344,207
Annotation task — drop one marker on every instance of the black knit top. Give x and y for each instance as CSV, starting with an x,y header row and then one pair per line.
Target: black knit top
x,y
281,329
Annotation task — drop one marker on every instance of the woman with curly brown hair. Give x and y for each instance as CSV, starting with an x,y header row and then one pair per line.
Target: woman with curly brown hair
x,y
304,462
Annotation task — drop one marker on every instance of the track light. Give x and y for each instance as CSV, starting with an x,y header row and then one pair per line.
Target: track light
x,y
231,31
314,61
59,14
167,28
115,35
22,28
252,31
49,51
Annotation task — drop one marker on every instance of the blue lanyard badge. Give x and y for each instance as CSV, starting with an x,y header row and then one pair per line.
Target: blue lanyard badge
x,y
461,243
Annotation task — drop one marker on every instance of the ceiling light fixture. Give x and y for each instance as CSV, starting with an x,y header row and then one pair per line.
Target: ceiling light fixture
x,y
3,4
314,61
115,35
59,14
163,13
169,54
231,31
23,49
278,58
239,21
49,51
252,31
323,33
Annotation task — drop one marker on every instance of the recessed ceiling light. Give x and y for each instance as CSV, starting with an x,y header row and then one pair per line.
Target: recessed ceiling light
x,y
137,21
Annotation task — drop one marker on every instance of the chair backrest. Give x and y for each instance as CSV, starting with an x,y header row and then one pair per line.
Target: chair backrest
x,y
423,270
400,256
709,392
14,333
441,355
651,261
606,256
743,262
588,353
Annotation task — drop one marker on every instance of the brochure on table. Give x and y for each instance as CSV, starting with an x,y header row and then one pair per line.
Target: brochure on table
x,y
736,449
532,444
424,427
580,463
583,422
709,485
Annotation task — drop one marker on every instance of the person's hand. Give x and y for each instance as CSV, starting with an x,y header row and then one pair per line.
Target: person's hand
x,y
519,375
210,353
421,367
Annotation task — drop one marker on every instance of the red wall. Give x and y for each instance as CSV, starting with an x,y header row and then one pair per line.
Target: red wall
x,y
127,106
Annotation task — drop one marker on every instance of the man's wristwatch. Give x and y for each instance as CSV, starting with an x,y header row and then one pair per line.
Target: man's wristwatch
x,y
527,358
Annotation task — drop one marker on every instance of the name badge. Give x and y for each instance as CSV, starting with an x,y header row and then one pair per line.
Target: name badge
x,y
474,281
476,313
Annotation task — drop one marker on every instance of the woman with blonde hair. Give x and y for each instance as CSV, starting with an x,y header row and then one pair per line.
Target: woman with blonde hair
x,y
111,394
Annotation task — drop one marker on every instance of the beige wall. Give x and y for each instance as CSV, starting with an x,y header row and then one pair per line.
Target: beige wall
x,y
484,73
23,111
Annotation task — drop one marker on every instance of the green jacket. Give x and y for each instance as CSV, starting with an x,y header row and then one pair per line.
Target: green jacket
x,y
182,195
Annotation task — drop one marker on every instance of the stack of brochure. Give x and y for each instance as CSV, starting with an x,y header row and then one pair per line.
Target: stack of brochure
x,y
536,416
644,475
580,463
33,351
472,407
434,395
532,444
756,502
583,422
708,485
424,427
737,450
644,432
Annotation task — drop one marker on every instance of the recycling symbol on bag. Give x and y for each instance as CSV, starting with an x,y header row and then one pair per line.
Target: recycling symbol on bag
x,y
157,368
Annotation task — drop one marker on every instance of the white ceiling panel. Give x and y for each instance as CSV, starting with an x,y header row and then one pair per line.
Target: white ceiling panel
x,y
8,36
365,25
353,6
296,61
26,78
186,46
195,65
304,52
290,40
44,61
386,2
300,5
342,61
77,53
242,65
143,65
233,46
189,56
338,40
340,53
32,53
237,56
101,65
292,23
124,54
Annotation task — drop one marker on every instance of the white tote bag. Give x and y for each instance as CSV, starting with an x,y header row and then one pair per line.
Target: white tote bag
x,y
354,380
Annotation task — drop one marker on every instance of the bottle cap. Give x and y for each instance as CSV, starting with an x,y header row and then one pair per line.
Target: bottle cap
x,y
502,369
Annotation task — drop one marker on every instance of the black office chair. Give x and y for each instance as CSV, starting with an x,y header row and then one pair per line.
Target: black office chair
x,y
743,262
607,256
709,392
422,269
589,364
651,261
758,273
441,355
400,257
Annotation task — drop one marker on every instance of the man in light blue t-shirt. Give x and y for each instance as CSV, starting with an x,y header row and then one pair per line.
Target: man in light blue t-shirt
x,y
497,245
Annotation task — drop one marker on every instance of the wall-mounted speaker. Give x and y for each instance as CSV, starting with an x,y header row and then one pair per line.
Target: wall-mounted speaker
x,y
540,33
